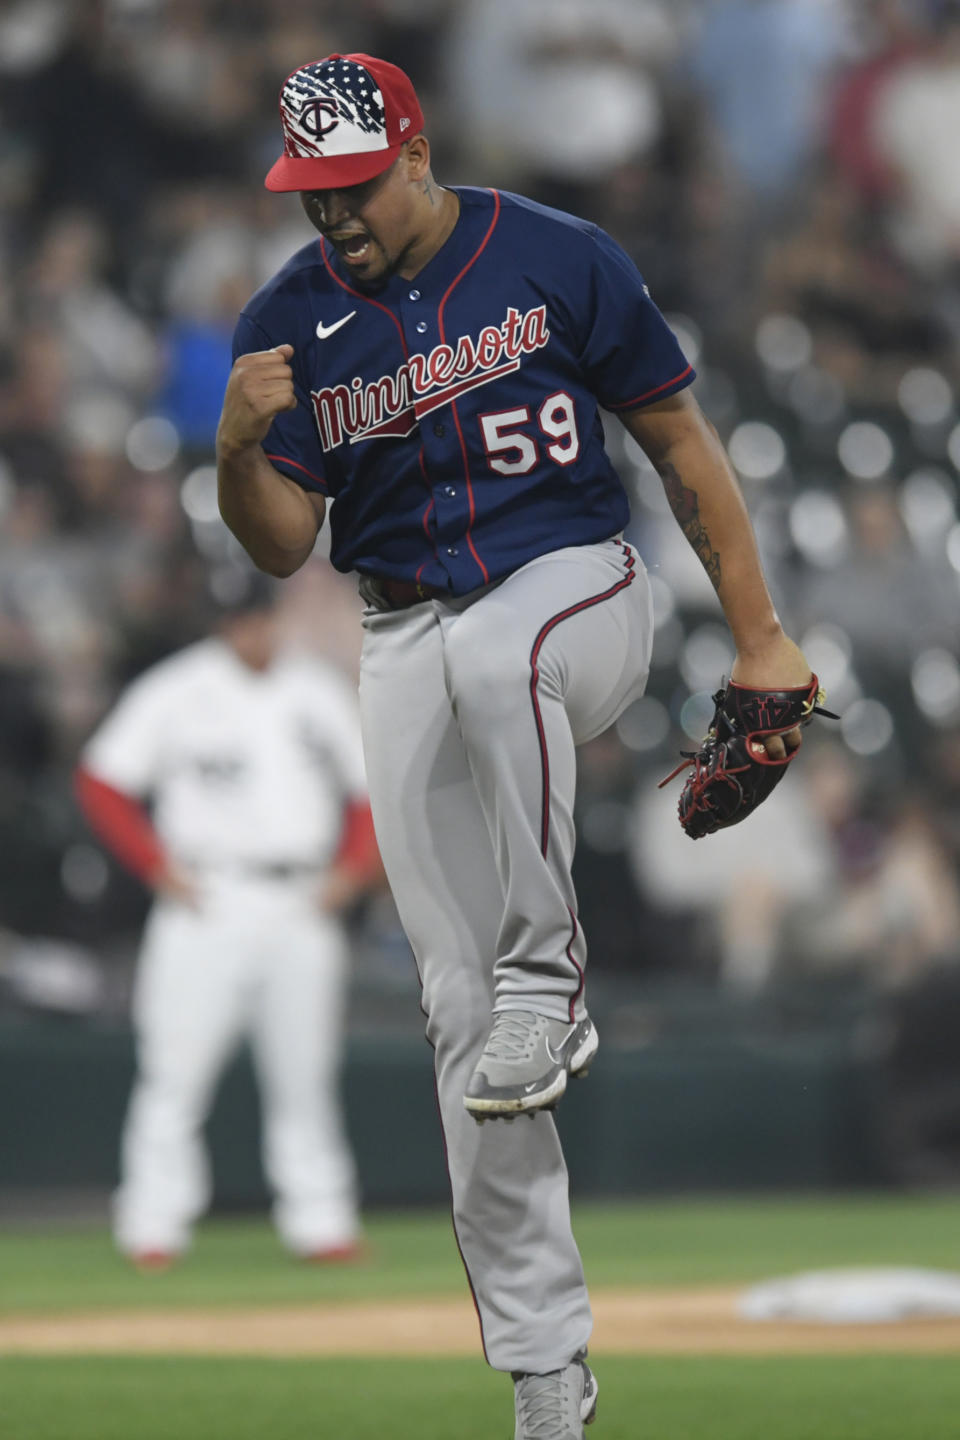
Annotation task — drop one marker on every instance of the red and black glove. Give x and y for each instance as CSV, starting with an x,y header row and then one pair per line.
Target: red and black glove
x,y
732,773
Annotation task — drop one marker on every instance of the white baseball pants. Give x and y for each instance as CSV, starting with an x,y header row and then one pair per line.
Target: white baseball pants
x,y
471,711
257,959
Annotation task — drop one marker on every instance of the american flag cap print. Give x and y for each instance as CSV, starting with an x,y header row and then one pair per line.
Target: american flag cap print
x,y
344,119
333,107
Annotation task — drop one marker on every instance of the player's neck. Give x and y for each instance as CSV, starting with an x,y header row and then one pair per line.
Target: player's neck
x,y
440,210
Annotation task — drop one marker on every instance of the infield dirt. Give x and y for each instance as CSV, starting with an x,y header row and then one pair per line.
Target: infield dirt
x,y
647,1321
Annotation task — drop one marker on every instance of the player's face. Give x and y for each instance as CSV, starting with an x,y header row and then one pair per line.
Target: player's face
x,y
370,226
252,635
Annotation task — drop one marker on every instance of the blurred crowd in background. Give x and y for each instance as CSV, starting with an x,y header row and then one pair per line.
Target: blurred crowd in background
x,y
784,173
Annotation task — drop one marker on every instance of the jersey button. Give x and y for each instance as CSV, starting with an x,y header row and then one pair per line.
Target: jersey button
x,y
452,550
439,430
414,294
421,326
450,490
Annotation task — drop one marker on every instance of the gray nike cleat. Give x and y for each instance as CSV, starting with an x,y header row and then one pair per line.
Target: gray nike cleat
x,y
525,1063
558,1405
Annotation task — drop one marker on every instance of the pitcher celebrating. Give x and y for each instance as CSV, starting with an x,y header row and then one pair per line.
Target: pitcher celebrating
x,y
435,363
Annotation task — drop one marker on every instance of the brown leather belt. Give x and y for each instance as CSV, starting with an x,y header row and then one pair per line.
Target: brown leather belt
x,y
400,594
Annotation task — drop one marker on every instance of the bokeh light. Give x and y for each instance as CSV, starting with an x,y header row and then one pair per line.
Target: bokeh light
x,y
644,725
696,713
784,343
925,396
865,450
198,495
707,657
935,679
153,443
926,503
757,450
816,396
867,727
818,528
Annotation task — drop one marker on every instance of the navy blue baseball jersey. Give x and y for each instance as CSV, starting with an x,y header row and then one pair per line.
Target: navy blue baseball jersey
x,y
453,418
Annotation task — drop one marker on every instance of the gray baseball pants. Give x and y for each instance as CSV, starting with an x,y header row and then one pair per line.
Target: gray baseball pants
x,y
471,711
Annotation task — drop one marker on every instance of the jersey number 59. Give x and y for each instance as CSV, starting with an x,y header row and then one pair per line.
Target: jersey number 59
x,y
511,451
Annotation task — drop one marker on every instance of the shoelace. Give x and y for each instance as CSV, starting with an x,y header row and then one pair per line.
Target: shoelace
x,y
512,1038
542,1403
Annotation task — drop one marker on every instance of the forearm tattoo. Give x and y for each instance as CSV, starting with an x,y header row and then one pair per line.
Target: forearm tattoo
x,y
686,508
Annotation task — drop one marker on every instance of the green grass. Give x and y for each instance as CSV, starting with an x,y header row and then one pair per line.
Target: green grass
x,y
239,1262
802,1398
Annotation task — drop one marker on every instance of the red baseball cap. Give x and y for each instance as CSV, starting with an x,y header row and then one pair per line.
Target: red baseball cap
x,y
344,120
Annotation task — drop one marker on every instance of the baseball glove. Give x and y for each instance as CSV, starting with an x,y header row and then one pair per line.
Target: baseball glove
x,y
732,773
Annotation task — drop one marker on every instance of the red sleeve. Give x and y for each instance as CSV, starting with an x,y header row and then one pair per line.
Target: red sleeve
x,y
121,823
357,850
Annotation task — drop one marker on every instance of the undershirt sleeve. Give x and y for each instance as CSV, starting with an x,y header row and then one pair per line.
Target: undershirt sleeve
x,y
121,823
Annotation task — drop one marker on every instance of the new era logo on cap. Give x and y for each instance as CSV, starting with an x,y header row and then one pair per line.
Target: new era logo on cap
x,y
344,119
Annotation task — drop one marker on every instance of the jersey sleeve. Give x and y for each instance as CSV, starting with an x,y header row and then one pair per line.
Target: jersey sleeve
x,y
127,749
291,443
630,356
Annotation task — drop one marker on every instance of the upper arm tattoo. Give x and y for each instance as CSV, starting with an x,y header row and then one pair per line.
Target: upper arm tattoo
x,y
686,508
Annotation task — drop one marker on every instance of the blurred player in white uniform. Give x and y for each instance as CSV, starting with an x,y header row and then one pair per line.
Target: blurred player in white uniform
x,y
258,839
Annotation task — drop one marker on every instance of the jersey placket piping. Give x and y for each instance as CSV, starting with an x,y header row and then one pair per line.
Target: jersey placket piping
x,y
359,295
453,404
406,356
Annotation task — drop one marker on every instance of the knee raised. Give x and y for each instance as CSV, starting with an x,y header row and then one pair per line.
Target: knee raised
x,y
488,671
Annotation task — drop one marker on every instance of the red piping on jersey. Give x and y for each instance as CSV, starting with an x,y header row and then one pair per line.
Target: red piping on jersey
x,y
538,716
359,295
453,404
649,394
121,823
284,461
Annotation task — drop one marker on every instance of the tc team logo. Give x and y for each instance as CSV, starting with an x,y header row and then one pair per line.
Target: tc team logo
x,y
332,107
318,118
393,405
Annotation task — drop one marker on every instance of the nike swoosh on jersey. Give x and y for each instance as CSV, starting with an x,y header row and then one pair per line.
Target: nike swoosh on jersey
x,y
325,331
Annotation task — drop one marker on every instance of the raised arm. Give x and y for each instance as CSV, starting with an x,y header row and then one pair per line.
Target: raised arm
x,y
275,520
705,498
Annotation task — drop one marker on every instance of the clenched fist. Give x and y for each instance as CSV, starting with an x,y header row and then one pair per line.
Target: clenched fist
x,y
260,387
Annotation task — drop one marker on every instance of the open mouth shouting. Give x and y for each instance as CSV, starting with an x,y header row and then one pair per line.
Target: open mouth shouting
x,y
355,247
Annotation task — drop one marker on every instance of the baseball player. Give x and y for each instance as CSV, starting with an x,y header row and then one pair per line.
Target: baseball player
x,y
260,835
433,365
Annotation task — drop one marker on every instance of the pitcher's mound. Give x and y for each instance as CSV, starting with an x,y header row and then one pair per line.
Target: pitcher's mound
x,y
857,1296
